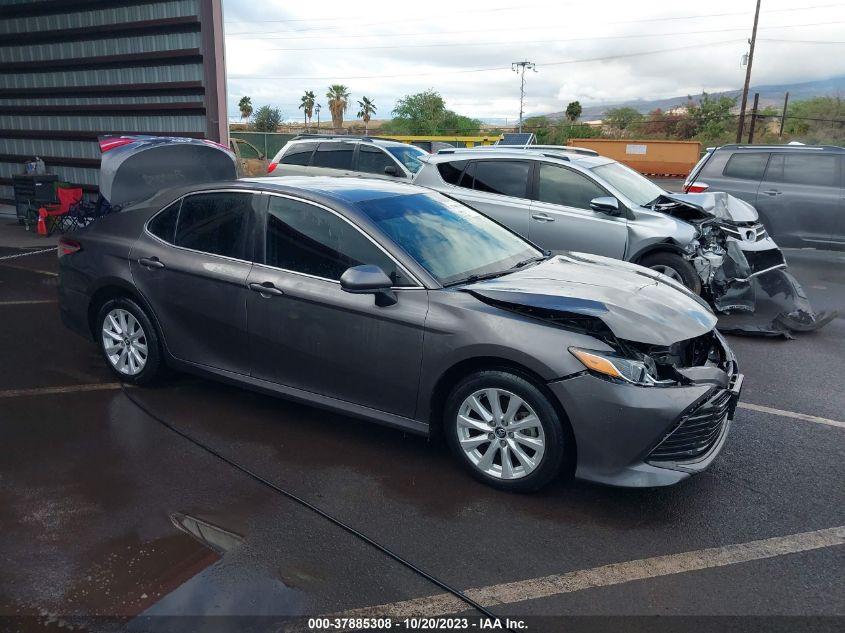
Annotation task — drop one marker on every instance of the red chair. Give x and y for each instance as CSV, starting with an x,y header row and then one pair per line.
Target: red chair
x,y
58,216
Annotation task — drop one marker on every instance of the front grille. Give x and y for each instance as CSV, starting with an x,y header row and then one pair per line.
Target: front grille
x,y
763,260
697,432
746,232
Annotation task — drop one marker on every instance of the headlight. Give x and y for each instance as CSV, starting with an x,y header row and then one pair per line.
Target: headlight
x,y
607,364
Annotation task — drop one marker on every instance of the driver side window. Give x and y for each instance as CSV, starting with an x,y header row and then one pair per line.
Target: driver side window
x,y
559,185
307,239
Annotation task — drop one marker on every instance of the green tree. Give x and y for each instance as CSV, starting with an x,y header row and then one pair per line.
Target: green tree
x,y
306,104
245,106
573,111
266,119
368,108
338,96
818,120
426,113
619,121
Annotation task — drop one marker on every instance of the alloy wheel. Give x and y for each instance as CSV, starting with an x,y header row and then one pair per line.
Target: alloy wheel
x,y
124,342
670,272
500,434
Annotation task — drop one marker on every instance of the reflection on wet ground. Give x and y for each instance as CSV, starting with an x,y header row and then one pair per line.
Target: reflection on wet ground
x,y
105,512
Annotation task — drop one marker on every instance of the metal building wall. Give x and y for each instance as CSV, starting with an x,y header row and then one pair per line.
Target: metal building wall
x,y
71,70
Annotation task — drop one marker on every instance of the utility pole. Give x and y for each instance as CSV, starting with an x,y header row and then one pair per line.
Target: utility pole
x,y
520,67
783,115
753,118
752,41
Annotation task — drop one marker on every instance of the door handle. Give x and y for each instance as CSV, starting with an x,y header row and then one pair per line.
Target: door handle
x,y
542,217
266,289
150,262
772,192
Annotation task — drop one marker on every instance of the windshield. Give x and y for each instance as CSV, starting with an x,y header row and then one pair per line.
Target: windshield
x,y
408,155
637,188
448,239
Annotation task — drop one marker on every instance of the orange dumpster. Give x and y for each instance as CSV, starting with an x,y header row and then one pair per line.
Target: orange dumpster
x,y
649,157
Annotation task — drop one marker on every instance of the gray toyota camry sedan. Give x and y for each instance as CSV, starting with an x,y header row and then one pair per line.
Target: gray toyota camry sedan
x,y
397,304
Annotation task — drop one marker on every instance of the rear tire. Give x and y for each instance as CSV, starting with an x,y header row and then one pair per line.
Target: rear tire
x,y
675,267
128,341
506,432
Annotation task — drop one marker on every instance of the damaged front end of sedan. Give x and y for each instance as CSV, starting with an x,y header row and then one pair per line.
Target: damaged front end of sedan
x,y
742,270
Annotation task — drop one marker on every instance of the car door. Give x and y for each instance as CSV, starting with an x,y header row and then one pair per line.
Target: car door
x,y
800,198
295,160
372,162
251,162
332,159
498,189
561,217
190,264
739,175
307,333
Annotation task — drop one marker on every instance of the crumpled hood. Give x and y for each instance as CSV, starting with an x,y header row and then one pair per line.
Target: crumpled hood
x,y
717,204
635,303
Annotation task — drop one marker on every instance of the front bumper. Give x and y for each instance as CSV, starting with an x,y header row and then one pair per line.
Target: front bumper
x,y
647,436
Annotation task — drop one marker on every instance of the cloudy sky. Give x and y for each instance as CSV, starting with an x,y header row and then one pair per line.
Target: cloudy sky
x,y
593,51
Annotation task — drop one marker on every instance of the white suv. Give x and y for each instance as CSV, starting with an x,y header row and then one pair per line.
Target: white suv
x,y
363,156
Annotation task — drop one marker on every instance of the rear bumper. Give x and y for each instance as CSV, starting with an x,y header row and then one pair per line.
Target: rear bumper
x,y
646,436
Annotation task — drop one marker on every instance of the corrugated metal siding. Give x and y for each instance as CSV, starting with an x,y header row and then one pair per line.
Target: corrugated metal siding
x,y
99,48
105,77
29,124
100,17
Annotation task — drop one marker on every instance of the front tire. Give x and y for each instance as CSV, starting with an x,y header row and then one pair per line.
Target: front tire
x,y
505,431
128,341
675,267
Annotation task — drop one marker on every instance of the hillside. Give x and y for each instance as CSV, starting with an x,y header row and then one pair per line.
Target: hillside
x,y
769,95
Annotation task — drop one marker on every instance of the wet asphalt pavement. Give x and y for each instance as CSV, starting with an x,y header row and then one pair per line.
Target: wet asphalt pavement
x,y
110,518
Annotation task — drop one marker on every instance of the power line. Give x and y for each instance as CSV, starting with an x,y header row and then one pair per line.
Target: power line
x,y
482,70
538,42
284,34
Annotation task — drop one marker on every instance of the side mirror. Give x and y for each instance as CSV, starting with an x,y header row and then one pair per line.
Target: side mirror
x,y
606,204
392,170
369,280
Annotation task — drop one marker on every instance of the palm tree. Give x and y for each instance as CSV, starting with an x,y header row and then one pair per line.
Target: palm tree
x,y
307,106
338,96
245,106
367,108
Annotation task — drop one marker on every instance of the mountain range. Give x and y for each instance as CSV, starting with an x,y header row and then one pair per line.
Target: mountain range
x,y
770,95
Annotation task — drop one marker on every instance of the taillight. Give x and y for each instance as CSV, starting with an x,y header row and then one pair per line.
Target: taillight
x,y
272,167
68,246
696,187
111,142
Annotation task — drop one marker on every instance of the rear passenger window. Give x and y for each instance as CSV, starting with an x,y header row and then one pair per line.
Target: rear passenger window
x,y
559,185
215,223
508,178
298,154
334,156
451,172
306,239
804,169
746,166
163,225
372,160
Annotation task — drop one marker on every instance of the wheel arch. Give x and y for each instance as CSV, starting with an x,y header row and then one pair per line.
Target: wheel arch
x,y
468,366
667,246
113,289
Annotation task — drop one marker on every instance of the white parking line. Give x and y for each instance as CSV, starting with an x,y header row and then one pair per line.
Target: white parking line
x,y
791,414
608,575
31,270
23,302
47,391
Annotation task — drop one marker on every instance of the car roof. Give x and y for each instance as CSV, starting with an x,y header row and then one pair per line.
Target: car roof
x,y
349,190
781,148
553,156
374,140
